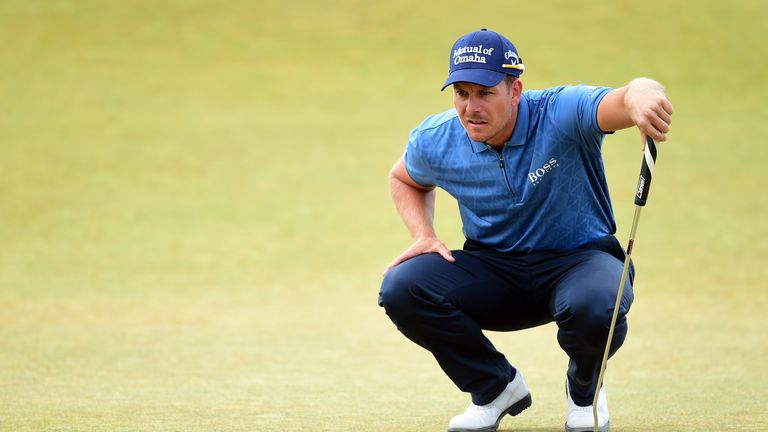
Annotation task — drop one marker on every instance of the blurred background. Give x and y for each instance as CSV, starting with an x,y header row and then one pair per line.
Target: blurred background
x,y
194,212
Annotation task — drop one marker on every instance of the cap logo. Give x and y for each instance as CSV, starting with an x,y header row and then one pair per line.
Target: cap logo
x,y
475,54
511,57
514,61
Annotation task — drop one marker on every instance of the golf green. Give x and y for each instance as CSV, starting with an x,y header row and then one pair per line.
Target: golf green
x,y
194,212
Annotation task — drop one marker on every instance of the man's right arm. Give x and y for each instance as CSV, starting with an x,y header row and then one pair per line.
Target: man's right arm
x,y
643,102
416,206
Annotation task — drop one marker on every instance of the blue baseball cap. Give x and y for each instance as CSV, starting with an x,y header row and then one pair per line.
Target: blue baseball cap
x,y
483,57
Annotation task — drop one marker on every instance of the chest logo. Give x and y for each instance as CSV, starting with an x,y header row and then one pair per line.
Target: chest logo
x,y
536,176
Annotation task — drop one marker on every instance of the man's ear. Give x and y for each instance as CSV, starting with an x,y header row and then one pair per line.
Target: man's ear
x,y
517,88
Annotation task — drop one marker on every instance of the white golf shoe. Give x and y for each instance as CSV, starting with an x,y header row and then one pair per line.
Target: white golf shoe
x,y
581,419
485,418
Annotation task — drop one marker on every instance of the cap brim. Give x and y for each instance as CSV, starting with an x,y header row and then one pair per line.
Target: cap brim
x,y
483,77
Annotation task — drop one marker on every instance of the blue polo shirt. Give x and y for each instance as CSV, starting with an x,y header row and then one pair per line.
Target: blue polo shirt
x,y
546,190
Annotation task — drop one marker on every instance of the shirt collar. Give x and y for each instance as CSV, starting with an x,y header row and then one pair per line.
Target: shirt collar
x,y
519,135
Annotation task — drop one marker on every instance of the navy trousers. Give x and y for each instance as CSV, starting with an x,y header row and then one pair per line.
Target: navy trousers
x,y
444,307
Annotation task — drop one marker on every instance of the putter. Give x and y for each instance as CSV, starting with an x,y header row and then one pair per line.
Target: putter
x,y
641,196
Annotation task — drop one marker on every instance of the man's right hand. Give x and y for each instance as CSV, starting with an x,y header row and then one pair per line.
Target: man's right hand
x,y
422,246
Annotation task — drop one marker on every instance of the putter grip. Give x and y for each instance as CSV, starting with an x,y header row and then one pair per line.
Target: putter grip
x,y
646,172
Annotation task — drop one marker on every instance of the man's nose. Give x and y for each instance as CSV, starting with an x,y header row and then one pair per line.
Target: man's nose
x,y
473,104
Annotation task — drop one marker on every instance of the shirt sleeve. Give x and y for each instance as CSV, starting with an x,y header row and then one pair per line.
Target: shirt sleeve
x,y
577,111
416,161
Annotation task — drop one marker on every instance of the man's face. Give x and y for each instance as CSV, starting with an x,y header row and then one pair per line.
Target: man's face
x,y
488,114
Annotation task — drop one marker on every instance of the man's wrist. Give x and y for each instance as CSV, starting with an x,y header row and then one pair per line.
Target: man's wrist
x,y
428,235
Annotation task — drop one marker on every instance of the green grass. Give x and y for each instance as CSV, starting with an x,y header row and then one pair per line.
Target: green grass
x,y
194,213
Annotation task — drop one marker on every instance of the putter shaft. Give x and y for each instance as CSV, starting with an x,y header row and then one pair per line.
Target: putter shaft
x,y
627,259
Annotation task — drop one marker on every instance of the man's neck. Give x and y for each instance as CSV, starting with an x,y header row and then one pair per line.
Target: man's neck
x,y
498,141
497,147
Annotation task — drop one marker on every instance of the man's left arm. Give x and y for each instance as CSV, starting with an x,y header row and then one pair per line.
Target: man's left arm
x,y
643,102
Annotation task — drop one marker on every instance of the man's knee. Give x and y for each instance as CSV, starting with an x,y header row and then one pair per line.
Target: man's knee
x,y
395,291
591,318
403,291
